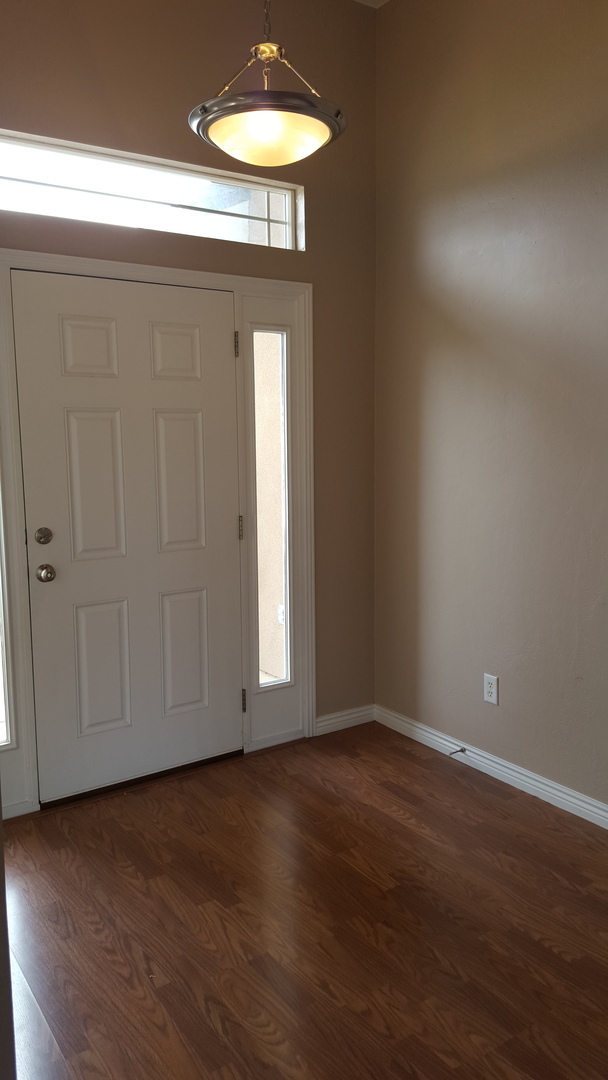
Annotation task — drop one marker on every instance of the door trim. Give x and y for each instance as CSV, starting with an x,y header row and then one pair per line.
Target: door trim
x,y
20,776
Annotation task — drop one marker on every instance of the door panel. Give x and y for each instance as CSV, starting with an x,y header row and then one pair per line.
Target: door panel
x,y
95,469
128,413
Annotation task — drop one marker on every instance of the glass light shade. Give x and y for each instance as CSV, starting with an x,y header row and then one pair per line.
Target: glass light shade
x,y
267,127
267,137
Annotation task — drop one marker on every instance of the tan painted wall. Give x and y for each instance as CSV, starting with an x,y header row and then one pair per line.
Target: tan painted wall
x,y
126,76
492,376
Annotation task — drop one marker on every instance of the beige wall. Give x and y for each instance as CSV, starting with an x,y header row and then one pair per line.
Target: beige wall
x,y
492,376
126,76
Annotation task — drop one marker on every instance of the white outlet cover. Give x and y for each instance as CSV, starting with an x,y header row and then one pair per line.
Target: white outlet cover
x,y
490,689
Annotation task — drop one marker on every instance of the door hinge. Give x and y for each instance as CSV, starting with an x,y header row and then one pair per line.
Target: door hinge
x,y
236,343
244,700
240,526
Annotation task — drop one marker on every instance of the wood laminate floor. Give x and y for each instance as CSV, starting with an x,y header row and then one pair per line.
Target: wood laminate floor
x,y
355,907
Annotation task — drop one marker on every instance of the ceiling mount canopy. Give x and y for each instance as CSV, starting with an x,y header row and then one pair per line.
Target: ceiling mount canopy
x,y
267,127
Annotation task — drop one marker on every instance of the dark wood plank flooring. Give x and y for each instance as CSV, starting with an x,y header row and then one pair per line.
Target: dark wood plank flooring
x,y
356,907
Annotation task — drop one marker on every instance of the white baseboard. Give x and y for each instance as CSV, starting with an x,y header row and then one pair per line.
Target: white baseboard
x,y
573,801
348,718
19,809
576,803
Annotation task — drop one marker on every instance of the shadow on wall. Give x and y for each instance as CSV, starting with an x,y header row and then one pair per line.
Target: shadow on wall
x,y
492,392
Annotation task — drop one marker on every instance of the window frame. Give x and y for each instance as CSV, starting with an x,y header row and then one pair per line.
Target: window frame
x,y
294,192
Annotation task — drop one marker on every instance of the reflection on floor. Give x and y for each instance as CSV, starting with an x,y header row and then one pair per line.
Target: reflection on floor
x,y
37,1050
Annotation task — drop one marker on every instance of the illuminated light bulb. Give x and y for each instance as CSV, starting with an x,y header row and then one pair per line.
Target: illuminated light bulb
x,y
269,138
264,126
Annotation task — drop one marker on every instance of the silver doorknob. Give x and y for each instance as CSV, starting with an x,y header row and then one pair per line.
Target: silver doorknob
x,y
46,572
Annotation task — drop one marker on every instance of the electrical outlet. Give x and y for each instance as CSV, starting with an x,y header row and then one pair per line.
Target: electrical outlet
x,y
490,689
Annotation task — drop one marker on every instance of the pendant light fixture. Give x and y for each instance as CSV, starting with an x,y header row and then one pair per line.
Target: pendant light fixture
x,y
267,127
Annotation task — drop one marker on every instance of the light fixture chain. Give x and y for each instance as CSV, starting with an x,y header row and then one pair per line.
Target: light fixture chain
x,y
267,20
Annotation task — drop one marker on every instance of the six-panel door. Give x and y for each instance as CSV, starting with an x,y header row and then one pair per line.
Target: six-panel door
x,y
128,412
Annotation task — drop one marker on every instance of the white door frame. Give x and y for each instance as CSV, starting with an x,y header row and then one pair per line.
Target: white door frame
x,y
294,301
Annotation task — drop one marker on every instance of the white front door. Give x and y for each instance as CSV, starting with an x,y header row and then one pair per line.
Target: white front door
x,y
129,431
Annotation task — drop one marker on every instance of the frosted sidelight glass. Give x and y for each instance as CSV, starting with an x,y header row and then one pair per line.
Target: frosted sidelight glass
x,y
269,362
4,732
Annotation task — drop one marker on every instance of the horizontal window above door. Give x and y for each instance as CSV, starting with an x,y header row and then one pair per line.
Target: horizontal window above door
x,y
88,183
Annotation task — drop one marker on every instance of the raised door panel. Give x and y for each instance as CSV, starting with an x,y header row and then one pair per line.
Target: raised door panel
x,y
185,663
180,479
176,351
89,346
96,483
101,633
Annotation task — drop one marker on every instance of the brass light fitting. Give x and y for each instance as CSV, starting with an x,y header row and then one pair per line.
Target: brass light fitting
x,y
267,127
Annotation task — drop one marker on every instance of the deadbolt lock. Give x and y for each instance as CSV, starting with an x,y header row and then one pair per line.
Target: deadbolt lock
x,y
43,536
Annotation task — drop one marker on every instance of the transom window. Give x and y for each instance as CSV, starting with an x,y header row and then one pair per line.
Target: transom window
x,y
87,183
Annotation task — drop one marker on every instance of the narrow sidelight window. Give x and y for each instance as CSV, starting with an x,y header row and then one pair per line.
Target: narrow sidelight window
x,y
269,363
4,728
